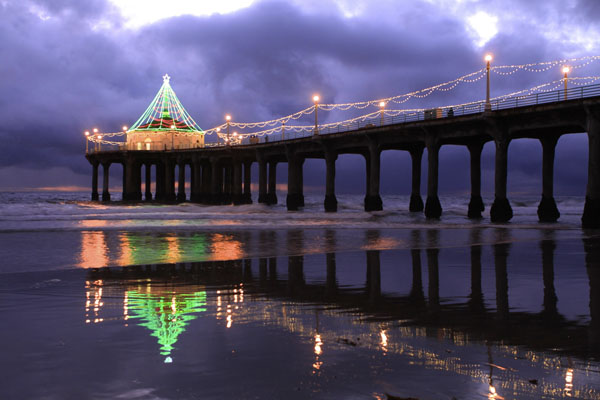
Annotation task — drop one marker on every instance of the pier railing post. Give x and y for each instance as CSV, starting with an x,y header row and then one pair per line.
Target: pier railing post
x,y
169,166
501,210
373,199
330,203
196,185
476,206
591,211
416,202
95,196
227,183
547,210
433,208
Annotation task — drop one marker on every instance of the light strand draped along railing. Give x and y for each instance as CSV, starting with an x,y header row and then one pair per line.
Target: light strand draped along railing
x,y
503,103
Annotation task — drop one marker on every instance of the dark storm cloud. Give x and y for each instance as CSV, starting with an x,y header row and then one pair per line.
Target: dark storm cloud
x,y
70,65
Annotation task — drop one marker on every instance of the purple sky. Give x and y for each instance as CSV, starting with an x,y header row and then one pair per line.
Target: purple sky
x,y
70,65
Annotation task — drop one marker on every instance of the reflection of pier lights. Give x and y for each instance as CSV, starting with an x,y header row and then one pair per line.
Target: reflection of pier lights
x,y
93,301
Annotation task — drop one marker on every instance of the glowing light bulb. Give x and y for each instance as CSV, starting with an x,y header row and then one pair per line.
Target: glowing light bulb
x,y
316,98
172,126
95,130
488,57
228,117
234,133
99,137
124,128
566,70
382,104
87,133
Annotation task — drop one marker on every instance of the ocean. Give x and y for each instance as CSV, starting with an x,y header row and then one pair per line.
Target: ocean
x,y
146,301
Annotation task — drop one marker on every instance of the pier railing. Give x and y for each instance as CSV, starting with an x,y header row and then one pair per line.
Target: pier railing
x,y
500,103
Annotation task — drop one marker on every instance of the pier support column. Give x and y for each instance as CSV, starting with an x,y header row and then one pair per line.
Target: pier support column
x,y
160,182
476,206
216,182
227,183
294,199
237,183
373,199
248,182
95,196
416,202
591,211
547,210
206,183
170,181
433,208
262,181
330,199
105,193
148,188
196,190
132,181
501,210
272,187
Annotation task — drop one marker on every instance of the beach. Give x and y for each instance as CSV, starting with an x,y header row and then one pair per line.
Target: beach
x,y
187,301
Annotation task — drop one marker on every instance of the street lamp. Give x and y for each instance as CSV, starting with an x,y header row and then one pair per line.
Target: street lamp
x,y
99,144
566,71
382,106
316,100
488,105
87,135
124,128
228,120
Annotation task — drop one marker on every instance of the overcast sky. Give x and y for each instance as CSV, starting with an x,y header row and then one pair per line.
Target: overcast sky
x,y
70,65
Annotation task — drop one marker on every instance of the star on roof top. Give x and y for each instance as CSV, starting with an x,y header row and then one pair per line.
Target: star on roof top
x,y
166,78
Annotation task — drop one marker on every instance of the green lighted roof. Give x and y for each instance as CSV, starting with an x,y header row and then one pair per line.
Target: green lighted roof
x,y
166,113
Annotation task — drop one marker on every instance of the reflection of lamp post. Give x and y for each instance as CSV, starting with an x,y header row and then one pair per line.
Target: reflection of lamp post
x,y
382,106
87,134
316,100
488,105
228,119
566,72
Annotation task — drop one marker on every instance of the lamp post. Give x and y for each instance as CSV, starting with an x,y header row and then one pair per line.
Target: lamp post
x,y
382,107
488,105
228,119
96,144
316,100
87,135
125,131
566,77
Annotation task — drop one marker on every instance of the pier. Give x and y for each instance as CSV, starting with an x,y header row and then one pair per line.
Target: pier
x,y
221,174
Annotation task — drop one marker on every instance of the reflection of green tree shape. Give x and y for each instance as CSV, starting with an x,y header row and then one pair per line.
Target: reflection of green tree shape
x,y
165,316
151,249
146,249
193,248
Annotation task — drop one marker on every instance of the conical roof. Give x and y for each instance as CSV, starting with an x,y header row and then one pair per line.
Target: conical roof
x,y
166,113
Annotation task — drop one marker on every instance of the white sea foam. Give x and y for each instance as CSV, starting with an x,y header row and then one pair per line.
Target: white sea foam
x,y
72,211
